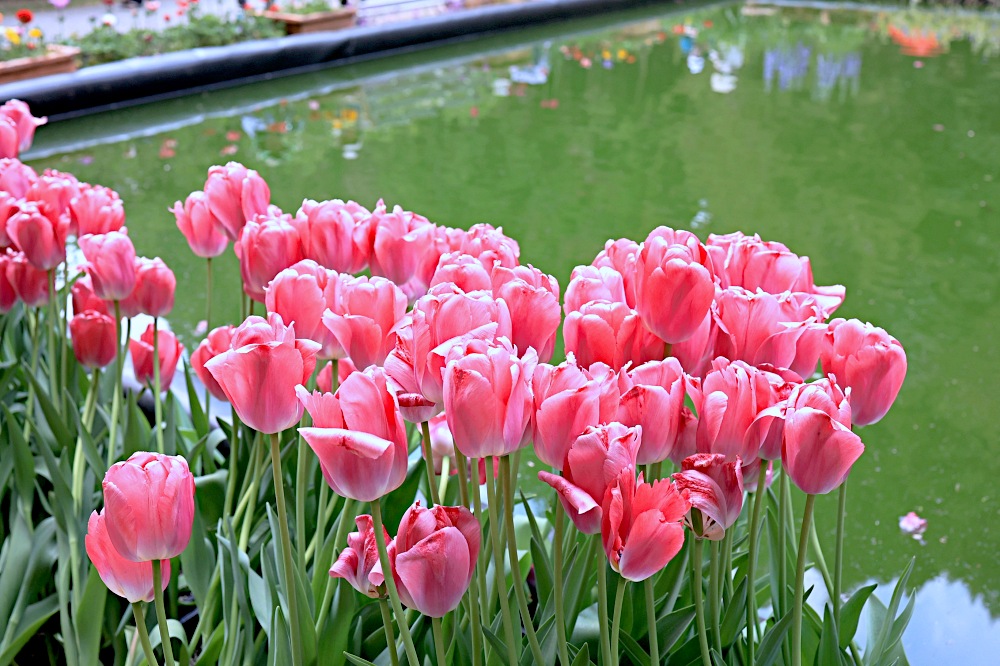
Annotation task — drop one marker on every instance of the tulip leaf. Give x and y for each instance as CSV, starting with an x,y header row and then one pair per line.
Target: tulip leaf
x,y
735,618
828,653
850,613
88,618
669,629
582,657
770,645
279,650
32,620
212,649
198,419
176,632
23,461
717,659
198,559
64,437
399,500
358,661
494,640
635,652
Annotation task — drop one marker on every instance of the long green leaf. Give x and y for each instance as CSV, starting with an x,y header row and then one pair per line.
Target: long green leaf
x,y
770,645
850,613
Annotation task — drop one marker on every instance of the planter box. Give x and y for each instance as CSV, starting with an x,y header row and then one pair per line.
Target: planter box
x,y
58,59
317,22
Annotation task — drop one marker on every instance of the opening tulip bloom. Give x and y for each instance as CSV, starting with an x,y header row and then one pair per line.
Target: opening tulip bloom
x,y
149,506
30,284
590,283
610,333
532,297
111,264
96,210
235,195
620,255
335,234
406,248
714,487
259,374
357,561
95,338
155,285
365,317
301,294
130,580
268,244
194,219
653,397
486,243
358,436
462,270
218,341
734,394
84,298
42,240
18,113
168,352
433,558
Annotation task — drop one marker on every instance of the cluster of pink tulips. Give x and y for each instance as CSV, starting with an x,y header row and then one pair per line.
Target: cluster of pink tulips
x,y
696,373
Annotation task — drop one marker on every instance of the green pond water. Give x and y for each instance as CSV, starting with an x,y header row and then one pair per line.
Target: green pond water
x,y
869,142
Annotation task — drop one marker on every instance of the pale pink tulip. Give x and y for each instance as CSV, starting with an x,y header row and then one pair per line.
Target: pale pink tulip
x,y
235,196
301,294
111,264
194,219
652,396
335,234
153,294
218,341
30,284
733,395
486,243
532,297
620,255
817,451
406,248
52,192
589,283
462,270
16,178
714,487
20,115
268,244
610,333
42,241
365,318
131,580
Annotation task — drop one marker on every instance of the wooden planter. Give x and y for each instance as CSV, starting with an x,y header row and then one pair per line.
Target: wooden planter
x,y
58,59
317,22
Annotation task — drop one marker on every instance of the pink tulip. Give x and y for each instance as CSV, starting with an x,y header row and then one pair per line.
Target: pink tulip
x,y
823,395
20,115
567,400
610,333
235,195
592,463
149,506
195,221
589,283
486,243
532,297
487,397
356,562
52,192
85,299
674,284
42,240
168,352
433,558
9,139
16,178
95,338
324,379
96,210
406,248
259,374
301,294
30,284
620,255
128,579
641,527
697,352
358,436
268,245
652,396
869,361
365,318
714,487
734,394
111,264
218,341
155,285
462,270
8,296
442,442
335,234
817,451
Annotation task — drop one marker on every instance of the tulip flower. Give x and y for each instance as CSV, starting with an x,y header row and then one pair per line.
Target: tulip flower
x,y
442,442
84,298
714,487
128,579
590,283
235,195
334,234
149,506
674,284
365,318
593,462
8,296
168,351
95,338
697,352
53,192
18,113
817,450
324,378
433,557
652,396
734,394
620,255
462,270
358,436
111,264
357,561
823,395
641,526
42,240
486,243
301,294
218,341
153,294
30,284
16,178
869,361
532,297
9,139
610,333
487,397
96,210
195,221
406,248
259,374
267,245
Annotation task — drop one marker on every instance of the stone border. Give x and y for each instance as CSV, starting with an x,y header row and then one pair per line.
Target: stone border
x,y
140,80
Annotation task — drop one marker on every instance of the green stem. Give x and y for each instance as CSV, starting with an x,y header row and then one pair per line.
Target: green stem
x,y
820,561
557,556
654,640
301,491
390,584
208,293
463,495
445,476
676,591
286,552
753,626
29,409
513,649
727,565
602,603
248,503
234,468
515,568
161,615
116,398
800,575
346,518
616,619
714,594
390,638
429,463
64,344
140,628
53,325
696,586
157,389
439,646
477,510
838,558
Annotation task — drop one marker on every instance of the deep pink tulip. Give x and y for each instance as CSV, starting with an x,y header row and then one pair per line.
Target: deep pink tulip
x,y
155,285
195,221
96,210
20,115
462,270
714,487
532,297
620,255
610,333
52,192
365,318
95,338
218,341
42,241
817,451
590,283
487,397
486,243
30,284
259,374
567,400
111,264
85,299
433,557
358,436
335,234
674,284
641,527
406,248
652,396
149,506
130,580
733,395
869,361
168,351
268,245
356,562
301,294
235,195
8,296
593,462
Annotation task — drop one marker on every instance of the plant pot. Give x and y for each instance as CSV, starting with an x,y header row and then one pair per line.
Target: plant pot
x,y
57,59
336,19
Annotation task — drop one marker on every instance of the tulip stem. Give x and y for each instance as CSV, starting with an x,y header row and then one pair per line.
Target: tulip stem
x,y
429,463
29,409
616,620
714,593
800,574
696,586
161,615
346,516
463,496
157,389
53,326
654,642
248,503
116,398
390,636
390,584
515,567
838,558
439,646
286,551
557,557
445,475
513,649
602,602
140,628
477,509
753,626
301,491
208,293
232,473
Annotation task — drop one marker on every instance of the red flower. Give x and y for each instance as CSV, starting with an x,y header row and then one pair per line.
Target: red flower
x,y
25,15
